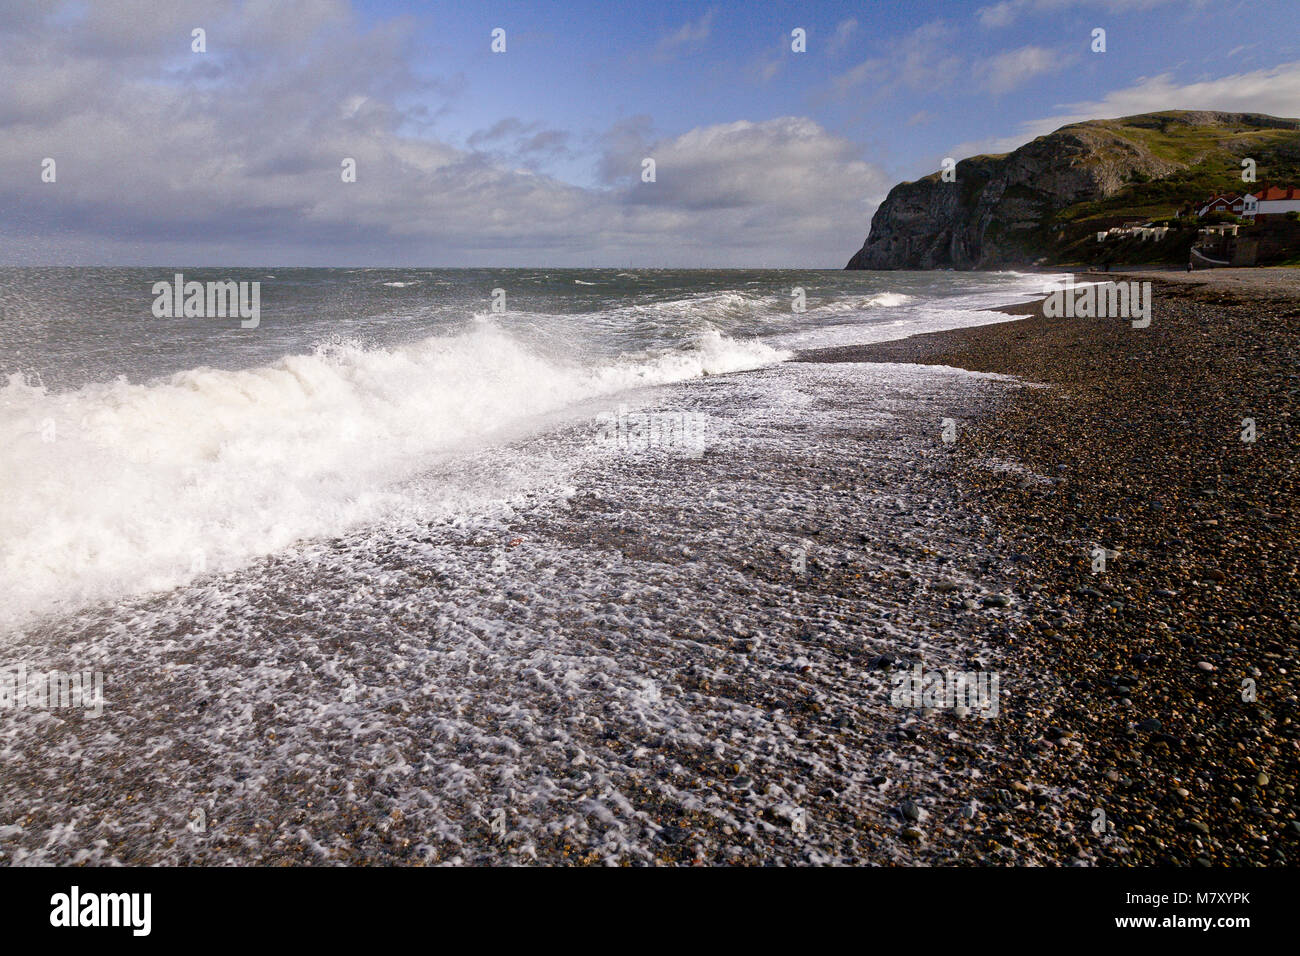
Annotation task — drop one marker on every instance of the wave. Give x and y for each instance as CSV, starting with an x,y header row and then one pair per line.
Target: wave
x,y
742,306
880,300
111,489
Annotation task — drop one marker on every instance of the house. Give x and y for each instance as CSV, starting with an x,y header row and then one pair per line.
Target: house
x,y
1142,231
1227,202
1268,200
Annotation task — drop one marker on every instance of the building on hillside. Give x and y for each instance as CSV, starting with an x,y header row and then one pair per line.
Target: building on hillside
x,y
1227,202
1268,200
1143,231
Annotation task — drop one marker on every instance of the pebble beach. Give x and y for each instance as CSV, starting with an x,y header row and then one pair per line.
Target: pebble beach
x,y
668,658
1159,694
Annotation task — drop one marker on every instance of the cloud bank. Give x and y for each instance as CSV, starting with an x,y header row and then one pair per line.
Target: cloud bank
x,y
235,156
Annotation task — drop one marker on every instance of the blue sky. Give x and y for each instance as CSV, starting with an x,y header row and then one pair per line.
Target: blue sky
x,y
584,66
764,156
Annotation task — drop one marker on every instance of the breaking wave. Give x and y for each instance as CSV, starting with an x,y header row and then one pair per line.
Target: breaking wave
x,y
110,488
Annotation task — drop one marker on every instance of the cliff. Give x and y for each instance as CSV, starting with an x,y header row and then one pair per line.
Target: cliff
x,y
1034,204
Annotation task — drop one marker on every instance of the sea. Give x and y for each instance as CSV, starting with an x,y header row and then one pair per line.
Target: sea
x,y
141,452
464,566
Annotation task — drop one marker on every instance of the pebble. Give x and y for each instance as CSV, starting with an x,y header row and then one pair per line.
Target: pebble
x,y
673,834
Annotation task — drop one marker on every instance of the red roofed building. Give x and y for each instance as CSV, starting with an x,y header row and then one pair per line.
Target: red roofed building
x,y
1266,200
1227,202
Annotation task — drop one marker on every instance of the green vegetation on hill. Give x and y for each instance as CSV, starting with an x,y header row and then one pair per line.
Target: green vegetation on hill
x,y
1045,202
1209,158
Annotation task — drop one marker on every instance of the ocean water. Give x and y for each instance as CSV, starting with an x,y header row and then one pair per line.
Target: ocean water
x,y
370,583
141,453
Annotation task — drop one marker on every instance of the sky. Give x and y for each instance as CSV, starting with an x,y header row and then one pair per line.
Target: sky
x,y
764,156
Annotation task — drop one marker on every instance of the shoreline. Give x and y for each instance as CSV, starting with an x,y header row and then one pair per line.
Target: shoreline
x,y
1145,719
679,659
688,660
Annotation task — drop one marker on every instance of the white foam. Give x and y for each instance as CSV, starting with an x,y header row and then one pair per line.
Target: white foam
x,y
574,671
111,488
880,300
931,315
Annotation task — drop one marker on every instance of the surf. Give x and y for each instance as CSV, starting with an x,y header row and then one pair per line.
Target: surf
x,y
118,488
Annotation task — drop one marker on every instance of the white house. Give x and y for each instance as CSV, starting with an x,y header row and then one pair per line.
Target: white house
x,y
1271,201
1142,232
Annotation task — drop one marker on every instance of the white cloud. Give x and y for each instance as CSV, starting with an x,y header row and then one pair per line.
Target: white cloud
x,y
1007,71
690,34
919,62
923,62
784,182
1011,11
844,31
1275,91
236,158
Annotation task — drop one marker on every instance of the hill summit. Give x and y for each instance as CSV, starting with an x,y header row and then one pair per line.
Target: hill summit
x,y
1041,203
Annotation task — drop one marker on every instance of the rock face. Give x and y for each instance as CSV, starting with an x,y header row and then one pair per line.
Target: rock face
x,y
997,213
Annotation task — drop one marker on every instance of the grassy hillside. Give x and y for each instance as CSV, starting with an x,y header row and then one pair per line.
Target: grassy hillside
x,y
1210,160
